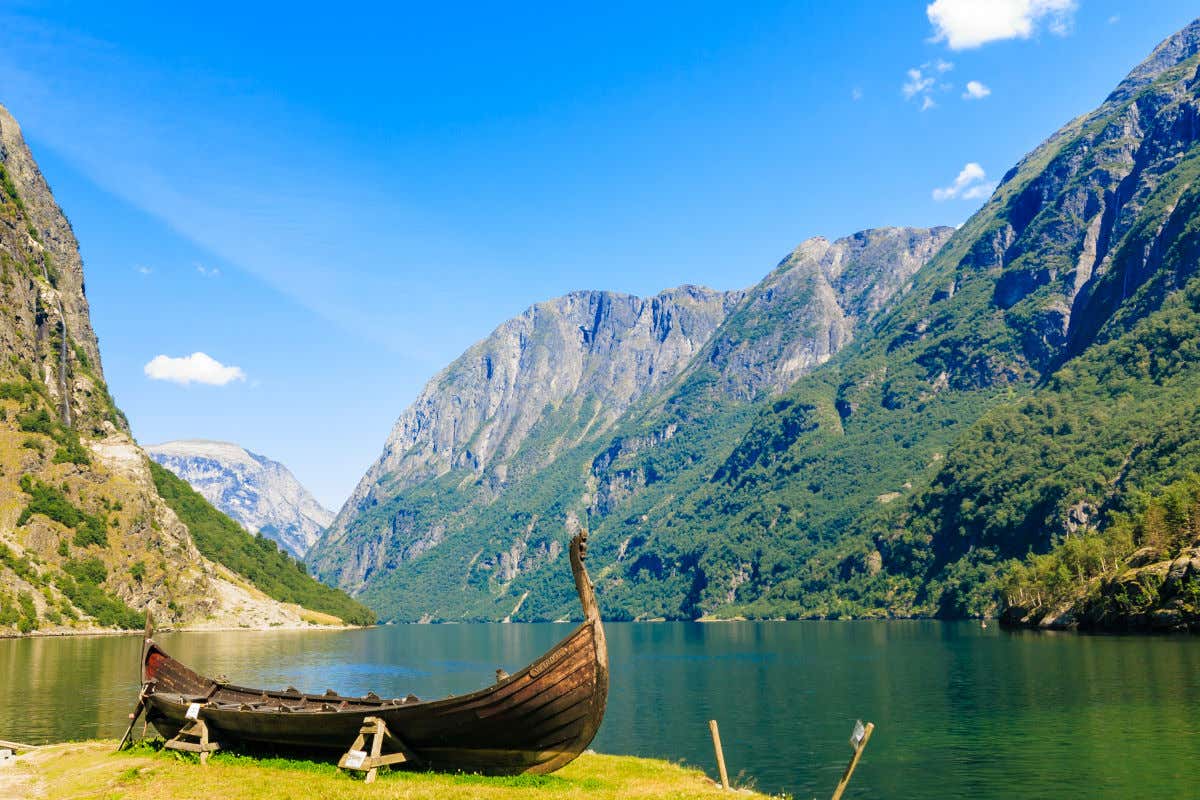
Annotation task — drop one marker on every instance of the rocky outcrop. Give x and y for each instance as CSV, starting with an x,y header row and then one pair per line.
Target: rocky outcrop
x,y
813,304
261,494
1155,591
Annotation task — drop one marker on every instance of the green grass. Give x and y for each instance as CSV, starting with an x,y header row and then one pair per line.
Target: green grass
x,y
146,773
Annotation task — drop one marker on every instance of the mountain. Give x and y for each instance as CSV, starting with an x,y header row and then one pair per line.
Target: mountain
x,y
1001,436
261,494
87,539
527,433
999,421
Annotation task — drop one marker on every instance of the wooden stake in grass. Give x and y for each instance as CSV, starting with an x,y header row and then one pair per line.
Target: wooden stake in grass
x,y
716,736
858,740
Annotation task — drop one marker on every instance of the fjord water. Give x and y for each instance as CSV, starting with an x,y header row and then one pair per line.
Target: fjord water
x,y
960,711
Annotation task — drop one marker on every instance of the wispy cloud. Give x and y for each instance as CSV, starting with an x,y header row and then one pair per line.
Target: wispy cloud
x,y
916,84
964,24
856,94
922,82
208,272
976,91
196,368
971,183
142,270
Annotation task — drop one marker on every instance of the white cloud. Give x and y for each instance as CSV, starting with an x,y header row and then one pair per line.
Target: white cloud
x,y
976,91
856,94
1114,19
196,368
208,272
927,103
970,184
143,270
964,24
941,65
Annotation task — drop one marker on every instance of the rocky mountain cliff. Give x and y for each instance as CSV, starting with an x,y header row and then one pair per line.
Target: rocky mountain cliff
x,y
261,494
86,541
551,401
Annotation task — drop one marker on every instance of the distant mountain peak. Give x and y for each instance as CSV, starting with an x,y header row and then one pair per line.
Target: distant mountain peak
x,y
260,494
1170,53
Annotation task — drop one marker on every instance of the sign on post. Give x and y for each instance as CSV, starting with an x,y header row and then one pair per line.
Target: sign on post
x,y
858,741
857,736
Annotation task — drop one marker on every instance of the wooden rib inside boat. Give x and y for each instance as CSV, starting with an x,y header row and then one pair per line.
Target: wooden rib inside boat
x,y
533,721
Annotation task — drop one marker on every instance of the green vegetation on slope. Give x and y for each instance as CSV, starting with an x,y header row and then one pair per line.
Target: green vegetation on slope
x,y
257,558
1109,433
1141,571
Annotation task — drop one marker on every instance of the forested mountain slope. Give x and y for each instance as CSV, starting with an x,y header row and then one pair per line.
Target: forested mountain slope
x,y
1062,318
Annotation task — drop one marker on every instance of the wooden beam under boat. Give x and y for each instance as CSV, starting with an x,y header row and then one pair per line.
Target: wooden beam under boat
x,y
533,721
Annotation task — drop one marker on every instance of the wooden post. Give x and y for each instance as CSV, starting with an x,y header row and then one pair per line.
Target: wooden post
x,y
858,751
716,737
133,717
203,741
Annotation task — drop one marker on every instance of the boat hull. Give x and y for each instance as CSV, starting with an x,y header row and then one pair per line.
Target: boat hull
x,y
533,721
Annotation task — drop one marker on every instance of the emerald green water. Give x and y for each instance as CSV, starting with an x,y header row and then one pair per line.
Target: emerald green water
x,y
960,711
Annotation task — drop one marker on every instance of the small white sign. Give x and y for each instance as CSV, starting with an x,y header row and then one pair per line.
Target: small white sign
x,y
193,711
859,732
355,758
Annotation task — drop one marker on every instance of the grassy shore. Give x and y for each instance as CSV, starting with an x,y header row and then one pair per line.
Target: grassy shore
x,y
92,769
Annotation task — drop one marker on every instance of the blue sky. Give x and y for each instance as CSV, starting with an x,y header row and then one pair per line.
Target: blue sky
x,y
337,200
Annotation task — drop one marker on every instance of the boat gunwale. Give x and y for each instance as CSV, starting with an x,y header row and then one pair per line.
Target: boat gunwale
x,y
374,706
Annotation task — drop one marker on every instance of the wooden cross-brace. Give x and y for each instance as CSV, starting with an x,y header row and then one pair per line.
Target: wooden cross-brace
x,y
357,758
194,729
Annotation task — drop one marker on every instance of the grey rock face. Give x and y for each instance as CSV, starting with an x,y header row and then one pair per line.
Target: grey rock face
x,y
812,304
573,364
568,370
261,494
44,288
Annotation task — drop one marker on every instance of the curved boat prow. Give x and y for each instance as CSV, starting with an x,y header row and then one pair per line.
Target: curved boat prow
x,y
583,584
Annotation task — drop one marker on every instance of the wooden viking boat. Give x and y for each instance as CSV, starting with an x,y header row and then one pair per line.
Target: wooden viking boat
x,y
533,721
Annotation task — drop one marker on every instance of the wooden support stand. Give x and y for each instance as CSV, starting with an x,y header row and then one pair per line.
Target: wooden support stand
x,y
357,758
198,730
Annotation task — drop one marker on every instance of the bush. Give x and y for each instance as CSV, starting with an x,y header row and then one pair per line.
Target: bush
x,y
81,585
50,502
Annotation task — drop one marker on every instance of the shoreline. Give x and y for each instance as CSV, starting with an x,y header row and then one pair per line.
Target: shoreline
x,y
64,634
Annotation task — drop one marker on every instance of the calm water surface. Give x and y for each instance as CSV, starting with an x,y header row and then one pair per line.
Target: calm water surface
x,y
960,711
